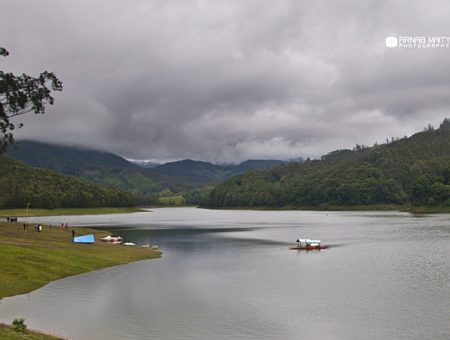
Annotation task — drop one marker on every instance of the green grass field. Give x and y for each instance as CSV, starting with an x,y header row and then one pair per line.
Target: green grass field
x,y
66,211
7,333
29,260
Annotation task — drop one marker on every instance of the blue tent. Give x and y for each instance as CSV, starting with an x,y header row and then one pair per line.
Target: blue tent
x,y
84,239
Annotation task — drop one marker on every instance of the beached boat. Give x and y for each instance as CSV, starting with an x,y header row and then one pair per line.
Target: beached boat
x,y
307,244
112,239
154,246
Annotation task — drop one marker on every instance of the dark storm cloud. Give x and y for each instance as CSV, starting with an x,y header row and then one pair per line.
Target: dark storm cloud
x,y
229,80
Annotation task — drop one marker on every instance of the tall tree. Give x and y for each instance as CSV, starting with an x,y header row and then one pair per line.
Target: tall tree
x,y
21,94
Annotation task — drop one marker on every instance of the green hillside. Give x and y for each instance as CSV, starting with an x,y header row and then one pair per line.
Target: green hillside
x,y
66,159
191,179
21,184
198,173
96,166
195,173
413,170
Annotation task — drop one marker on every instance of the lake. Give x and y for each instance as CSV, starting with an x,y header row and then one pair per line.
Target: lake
x,y
230,275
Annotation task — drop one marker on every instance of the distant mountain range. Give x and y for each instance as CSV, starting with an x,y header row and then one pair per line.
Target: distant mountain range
x,y
139,177
96,166
200,173
411,171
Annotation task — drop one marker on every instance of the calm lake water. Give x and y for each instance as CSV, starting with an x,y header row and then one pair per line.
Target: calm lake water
x,y
230,275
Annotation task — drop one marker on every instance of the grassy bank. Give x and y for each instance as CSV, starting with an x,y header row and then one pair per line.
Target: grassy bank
x,y
29,260
427,209
8,333
66,211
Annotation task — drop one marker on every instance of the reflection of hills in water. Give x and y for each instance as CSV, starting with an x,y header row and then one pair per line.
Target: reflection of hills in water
x,y
194,238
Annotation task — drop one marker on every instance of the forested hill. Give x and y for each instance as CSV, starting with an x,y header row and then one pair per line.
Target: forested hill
x,y
114,171
96,166
21,183
413,170
198,173
66,159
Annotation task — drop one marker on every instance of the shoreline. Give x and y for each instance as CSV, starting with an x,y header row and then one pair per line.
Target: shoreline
x,y
8,332
377,207
23,252
68,211
29,260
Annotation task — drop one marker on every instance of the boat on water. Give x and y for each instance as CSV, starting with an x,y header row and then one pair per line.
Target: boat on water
x,y
112,239
307,244
154,246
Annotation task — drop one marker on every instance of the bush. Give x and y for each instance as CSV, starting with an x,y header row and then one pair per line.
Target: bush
x,y
19,325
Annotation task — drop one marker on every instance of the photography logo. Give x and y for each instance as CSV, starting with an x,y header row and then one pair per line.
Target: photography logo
x,y
418,42
391,42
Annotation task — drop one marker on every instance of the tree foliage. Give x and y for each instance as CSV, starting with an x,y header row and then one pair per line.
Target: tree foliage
x,y
21,184
412,170
21,94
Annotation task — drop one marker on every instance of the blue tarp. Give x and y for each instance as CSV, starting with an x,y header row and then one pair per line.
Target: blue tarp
x,y
84,239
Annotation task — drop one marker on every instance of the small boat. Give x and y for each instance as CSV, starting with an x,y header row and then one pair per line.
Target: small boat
x,y
112,239
128,244
153,246
307,244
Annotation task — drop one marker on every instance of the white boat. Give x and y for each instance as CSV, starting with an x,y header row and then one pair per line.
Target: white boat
x,y
128,244
153,246
307,244
112,239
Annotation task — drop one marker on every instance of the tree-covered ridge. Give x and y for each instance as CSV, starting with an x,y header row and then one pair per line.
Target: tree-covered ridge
x,y
191,179
96,166
198,173
412,170
21,184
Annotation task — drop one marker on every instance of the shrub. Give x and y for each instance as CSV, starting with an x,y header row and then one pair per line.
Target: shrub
x,y
19,325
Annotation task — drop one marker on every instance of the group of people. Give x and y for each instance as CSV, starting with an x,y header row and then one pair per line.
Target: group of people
x,y
37,227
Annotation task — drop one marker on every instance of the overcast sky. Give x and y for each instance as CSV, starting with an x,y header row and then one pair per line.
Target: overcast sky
x,y
229,80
